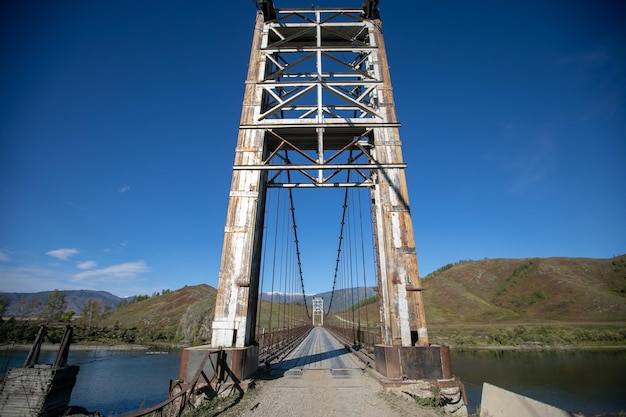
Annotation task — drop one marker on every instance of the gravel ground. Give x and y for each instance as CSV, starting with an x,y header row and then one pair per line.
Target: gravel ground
x,y
319,393
318,378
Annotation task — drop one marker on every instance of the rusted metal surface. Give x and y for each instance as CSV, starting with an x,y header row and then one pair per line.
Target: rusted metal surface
x,y
319,105
402,315
400,363
234,319
241,363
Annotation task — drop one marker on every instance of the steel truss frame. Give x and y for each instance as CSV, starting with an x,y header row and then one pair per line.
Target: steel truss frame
x,y
318,111
319,85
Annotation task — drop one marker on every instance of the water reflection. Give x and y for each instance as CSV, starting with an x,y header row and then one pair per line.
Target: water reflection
x,y
590,381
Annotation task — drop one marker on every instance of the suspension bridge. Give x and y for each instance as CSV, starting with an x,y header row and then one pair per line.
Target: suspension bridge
x,y
318,145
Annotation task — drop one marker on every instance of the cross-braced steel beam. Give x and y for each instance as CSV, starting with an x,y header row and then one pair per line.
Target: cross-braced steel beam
x,y
318,104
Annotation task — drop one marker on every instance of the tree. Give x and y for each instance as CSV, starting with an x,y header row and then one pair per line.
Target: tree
x,y
55,306
90,314
28,307
4,304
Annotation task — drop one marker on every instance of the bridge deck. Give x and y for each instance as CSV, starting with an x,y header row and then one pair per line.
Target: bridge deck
x,y
319,350
320,378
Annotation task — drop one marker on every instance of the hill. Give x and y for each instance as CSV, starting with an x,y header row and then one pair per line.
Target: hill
x,y
528,290
25,304
477,293
187,313
344,298
341,300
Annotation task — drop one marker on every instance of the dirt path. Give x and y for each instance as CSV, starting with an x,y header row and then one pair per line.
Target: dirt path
x,y
321,393
320,378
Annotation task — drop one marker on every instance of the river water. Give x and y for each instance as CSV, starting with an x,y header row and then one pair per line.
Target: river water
x,y
591,381
113,382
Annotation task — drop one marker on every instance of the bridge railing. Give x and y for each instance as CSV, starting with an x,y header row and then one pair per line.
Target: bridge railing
x,y
359,336
271,344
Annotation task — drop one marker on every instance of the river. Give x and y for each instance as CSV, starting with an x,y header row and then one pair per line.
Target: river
x,y
591,381
113,382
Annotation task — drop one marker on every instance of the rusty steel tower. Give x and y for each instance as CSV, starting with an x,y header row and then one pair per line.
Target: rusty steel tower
x,y
318,106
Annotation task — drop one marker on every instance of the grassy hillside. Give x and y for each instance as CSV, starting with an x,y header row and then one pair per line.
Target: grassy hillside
x,y
187,313
516,297
528,290
531,302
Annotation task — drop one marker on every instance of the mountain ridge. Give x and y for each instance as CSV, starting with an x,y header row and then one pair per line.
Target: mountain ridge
x,y
482,291
75,300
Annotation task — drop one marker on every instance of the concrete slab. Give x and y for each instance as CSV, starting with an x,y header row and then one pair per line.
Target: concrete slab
x,y
498,402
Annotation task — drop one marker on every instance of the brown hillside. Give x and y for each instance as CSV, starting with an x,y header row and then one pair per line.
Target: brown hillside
x,y
530,290
168,310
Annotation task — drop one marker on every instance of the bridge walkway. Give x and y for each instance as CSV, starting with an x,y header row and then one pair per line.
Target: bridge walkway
x,y
320,350
321,378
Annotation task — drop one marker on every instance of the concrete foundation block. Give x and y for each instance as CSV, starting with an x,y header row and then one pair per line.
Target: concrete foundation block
x,y
241,362
399,363
498,402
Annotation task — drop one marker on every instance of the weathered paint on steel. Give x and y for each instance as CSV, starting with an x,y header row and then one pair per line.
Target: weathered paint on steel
x,y
401,307
395,238
233,323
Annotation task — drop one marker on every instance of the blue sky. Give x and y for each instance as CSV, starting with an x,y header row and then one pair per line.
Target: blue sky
x,y
118,123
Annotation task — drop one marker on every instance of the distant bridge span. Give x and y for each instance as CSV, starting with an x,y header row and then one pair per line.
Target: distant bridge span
x,y
320,350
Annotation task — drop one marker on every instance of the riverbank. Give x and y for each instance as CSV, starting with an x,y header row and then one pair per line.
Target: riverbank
x,y
147,348
77,347
539,347
532,336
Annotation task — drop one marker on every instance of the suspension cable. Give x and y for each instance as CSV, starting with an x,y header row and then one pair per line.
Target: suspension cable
x,y
270,327
350,268
295,236
339,248
367,321
262,277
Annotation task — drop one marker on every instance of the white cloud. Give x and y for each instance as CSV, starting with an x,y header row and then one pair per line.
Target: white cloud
x,y
32,278
125,271
86,265
4,257
124,188
62,254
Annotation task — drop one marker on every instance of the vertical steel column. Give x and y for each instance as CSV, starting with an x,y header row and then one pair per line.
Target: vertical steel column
x,y
314,85
235,306
402,311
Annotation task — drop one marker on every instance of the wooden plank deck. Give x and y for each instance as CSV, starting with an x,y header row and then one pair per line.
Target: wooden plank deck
x,y
41,391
